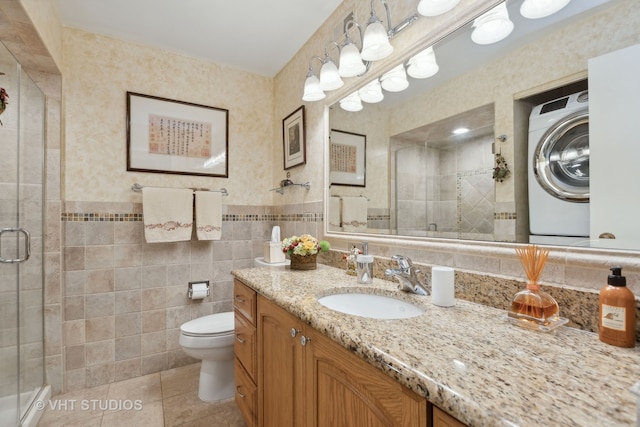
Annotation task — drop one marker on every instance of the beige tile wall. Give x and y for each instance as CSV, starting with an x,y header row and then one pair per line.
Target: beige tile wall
x,y
124,300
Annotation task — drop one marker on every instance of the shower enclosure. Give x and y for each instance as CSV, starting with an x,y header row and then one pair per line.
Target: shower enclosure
x,y
21,242
444,187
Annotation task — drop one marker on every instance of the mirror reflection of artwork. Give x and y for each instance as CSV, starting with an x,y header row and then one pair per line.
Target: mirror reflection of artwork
x,y
347,161
294,139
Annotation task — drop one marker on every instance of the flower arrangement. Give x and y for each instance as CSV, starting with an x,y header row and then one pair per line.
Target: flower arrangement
x,y
304,245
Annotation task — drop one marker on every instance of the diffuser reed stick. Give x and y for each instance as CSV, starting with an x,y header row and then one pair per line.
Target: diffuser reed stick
x,y
533,260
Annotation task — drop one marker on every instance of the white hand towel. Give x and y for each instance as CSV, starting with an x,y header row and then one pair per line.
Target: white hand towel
x,y
167,213
209,215
334,214
354,213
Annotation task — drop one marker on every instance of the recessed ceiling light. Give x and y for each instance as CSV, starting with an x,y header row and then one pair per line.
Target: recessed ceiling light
x,y
460,131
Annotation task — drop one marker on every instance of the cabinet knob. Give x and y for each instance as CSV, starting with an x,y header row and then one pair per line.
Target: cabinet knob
x,y
304,340
294,332
239,298
607,236
239,392
239,339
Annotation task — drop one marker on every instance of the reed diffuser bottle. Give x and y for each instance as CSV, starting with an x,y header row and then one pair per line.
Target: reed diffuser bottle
x,y
533,304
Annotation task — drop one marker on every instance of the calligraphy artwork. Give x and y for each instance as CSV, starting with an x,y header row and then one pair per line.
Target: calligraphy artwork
x,y
347,158
167,136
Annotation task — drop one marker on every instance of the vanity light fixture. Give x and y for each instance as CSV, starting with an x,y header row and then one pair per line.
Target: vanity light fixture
x,y
371,92
351,64
375,44
329,77
423,64
395,80
492,26
355,63
351,102
436,7
312,91
535,9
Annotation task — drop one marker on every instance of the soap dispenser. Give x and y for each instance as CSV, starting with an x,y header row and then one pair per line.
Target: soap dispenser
x,y
617,311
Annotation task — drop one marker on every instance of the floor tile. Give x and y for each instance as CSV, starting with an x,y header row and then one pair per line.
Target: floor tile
x,y
167,399
149,416
180,380
144,389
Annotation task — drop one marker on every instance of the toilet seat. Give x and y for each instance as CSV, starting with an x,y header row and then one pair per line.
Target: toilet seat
x,y
213,325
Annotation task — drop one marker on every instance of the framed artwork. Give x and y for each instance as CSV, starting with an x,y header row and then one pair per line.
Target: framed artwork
x,y
347,154
167,136
294,139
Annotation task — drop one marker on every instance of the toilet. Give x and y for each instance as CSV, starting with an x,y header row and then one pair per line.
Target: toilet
x,y
210,339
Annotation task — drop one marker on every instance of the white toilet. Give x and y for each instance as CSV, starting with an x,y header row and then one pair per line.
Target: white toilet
x,y
210,338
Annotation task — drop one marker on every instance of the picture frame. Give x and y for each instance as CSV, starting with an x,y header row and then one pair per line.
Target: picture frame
x,y
294,139
176,137
347,158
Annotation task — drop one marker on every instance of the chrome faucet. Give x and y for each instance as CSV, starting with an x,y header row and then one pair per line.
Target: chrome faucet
x,y
407,276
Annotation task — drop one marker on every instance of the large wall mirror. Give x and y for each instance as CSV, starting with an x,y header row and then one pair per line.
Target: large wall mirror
x,y
553,103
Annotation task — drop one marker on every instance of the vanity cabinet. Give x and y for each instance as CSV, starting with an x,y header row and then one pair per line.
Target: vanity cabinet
x,y
306,379
289,374
245,344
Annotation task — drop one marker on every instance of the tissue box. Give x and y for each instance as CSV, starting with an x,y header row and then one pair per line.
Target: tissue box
x,y
273,252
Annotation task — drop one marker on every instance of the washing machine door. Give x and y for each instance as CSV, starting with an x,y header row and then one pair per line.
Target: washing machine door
x,y
561,159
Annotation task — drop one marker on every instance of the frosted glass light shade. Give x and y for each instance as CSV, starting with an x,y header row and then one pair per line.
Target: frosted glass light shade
x,y
312,91
423,64
436,7
535,9
371,92
351,64
329,77
375,45
395,80
351,102
492,26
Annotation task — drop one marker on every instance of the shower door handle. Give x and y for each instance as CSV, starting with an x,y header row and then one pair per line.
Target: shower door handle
x,y
27,245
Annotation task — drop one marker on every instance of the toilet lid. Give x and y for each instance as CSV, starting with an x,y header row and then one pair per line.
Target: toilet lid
x,y
213,324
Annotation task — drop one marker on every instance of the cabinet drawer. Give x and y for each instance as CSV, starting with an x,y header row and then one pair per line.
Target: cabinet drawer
x,y
245,345
246,395
244,300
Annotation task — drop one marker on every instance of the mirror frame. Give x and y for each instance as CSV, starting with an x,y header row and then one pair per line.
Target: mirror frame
x,y
465,13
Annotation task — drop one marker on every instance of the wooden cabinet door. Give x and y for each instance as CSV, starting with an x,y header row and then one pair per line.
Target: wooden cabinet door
x,y
343,390
442,419
280,367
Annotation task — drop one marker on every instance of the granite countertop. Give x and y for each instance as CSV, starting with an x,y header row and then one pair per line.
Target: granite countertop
x,y
468,359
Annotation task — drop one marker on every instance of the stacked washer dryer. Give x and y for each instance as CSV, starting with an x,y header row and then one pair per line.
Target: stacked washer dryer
x,y
559,170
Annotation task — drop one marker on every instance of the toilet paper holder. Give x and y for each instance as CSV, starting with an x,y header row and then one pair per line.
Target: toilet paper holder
x,y
197,290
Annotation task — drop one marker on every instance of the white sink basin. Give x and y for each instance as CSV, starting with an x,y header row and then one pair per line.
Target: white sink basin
x,y
372,306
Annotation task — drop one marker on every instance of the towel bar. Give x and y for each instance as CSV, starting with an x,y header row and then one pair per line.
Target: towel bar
x,y
137,188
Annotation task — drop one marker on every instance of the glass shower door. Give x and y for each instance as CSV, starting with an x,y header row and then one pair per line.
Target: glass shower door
x,y
21,241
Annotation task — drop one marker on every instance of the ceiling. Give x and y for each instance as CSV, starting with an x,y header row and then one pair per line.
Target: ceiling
x,y
258,36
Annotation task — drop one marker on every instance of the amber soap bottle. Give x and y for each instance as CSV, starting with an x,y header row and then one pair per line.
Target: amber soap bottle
x,y
617,325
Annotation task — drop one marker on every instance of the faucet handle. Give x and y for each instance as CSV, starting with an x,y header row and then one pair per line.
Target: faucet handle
x,y
403,262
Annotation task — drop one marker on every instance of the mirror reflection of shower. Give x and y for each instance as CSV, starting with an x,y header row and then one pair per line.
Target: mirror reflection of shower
x,y
442,180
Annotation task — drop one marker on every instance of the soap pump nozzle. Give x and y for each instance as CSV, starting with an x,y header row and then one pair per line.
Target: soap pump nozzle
x,y
616,278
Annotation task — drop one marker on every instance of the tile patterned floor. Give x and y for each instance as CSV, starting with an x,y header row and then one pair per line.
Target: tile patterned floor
x,y
164,399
